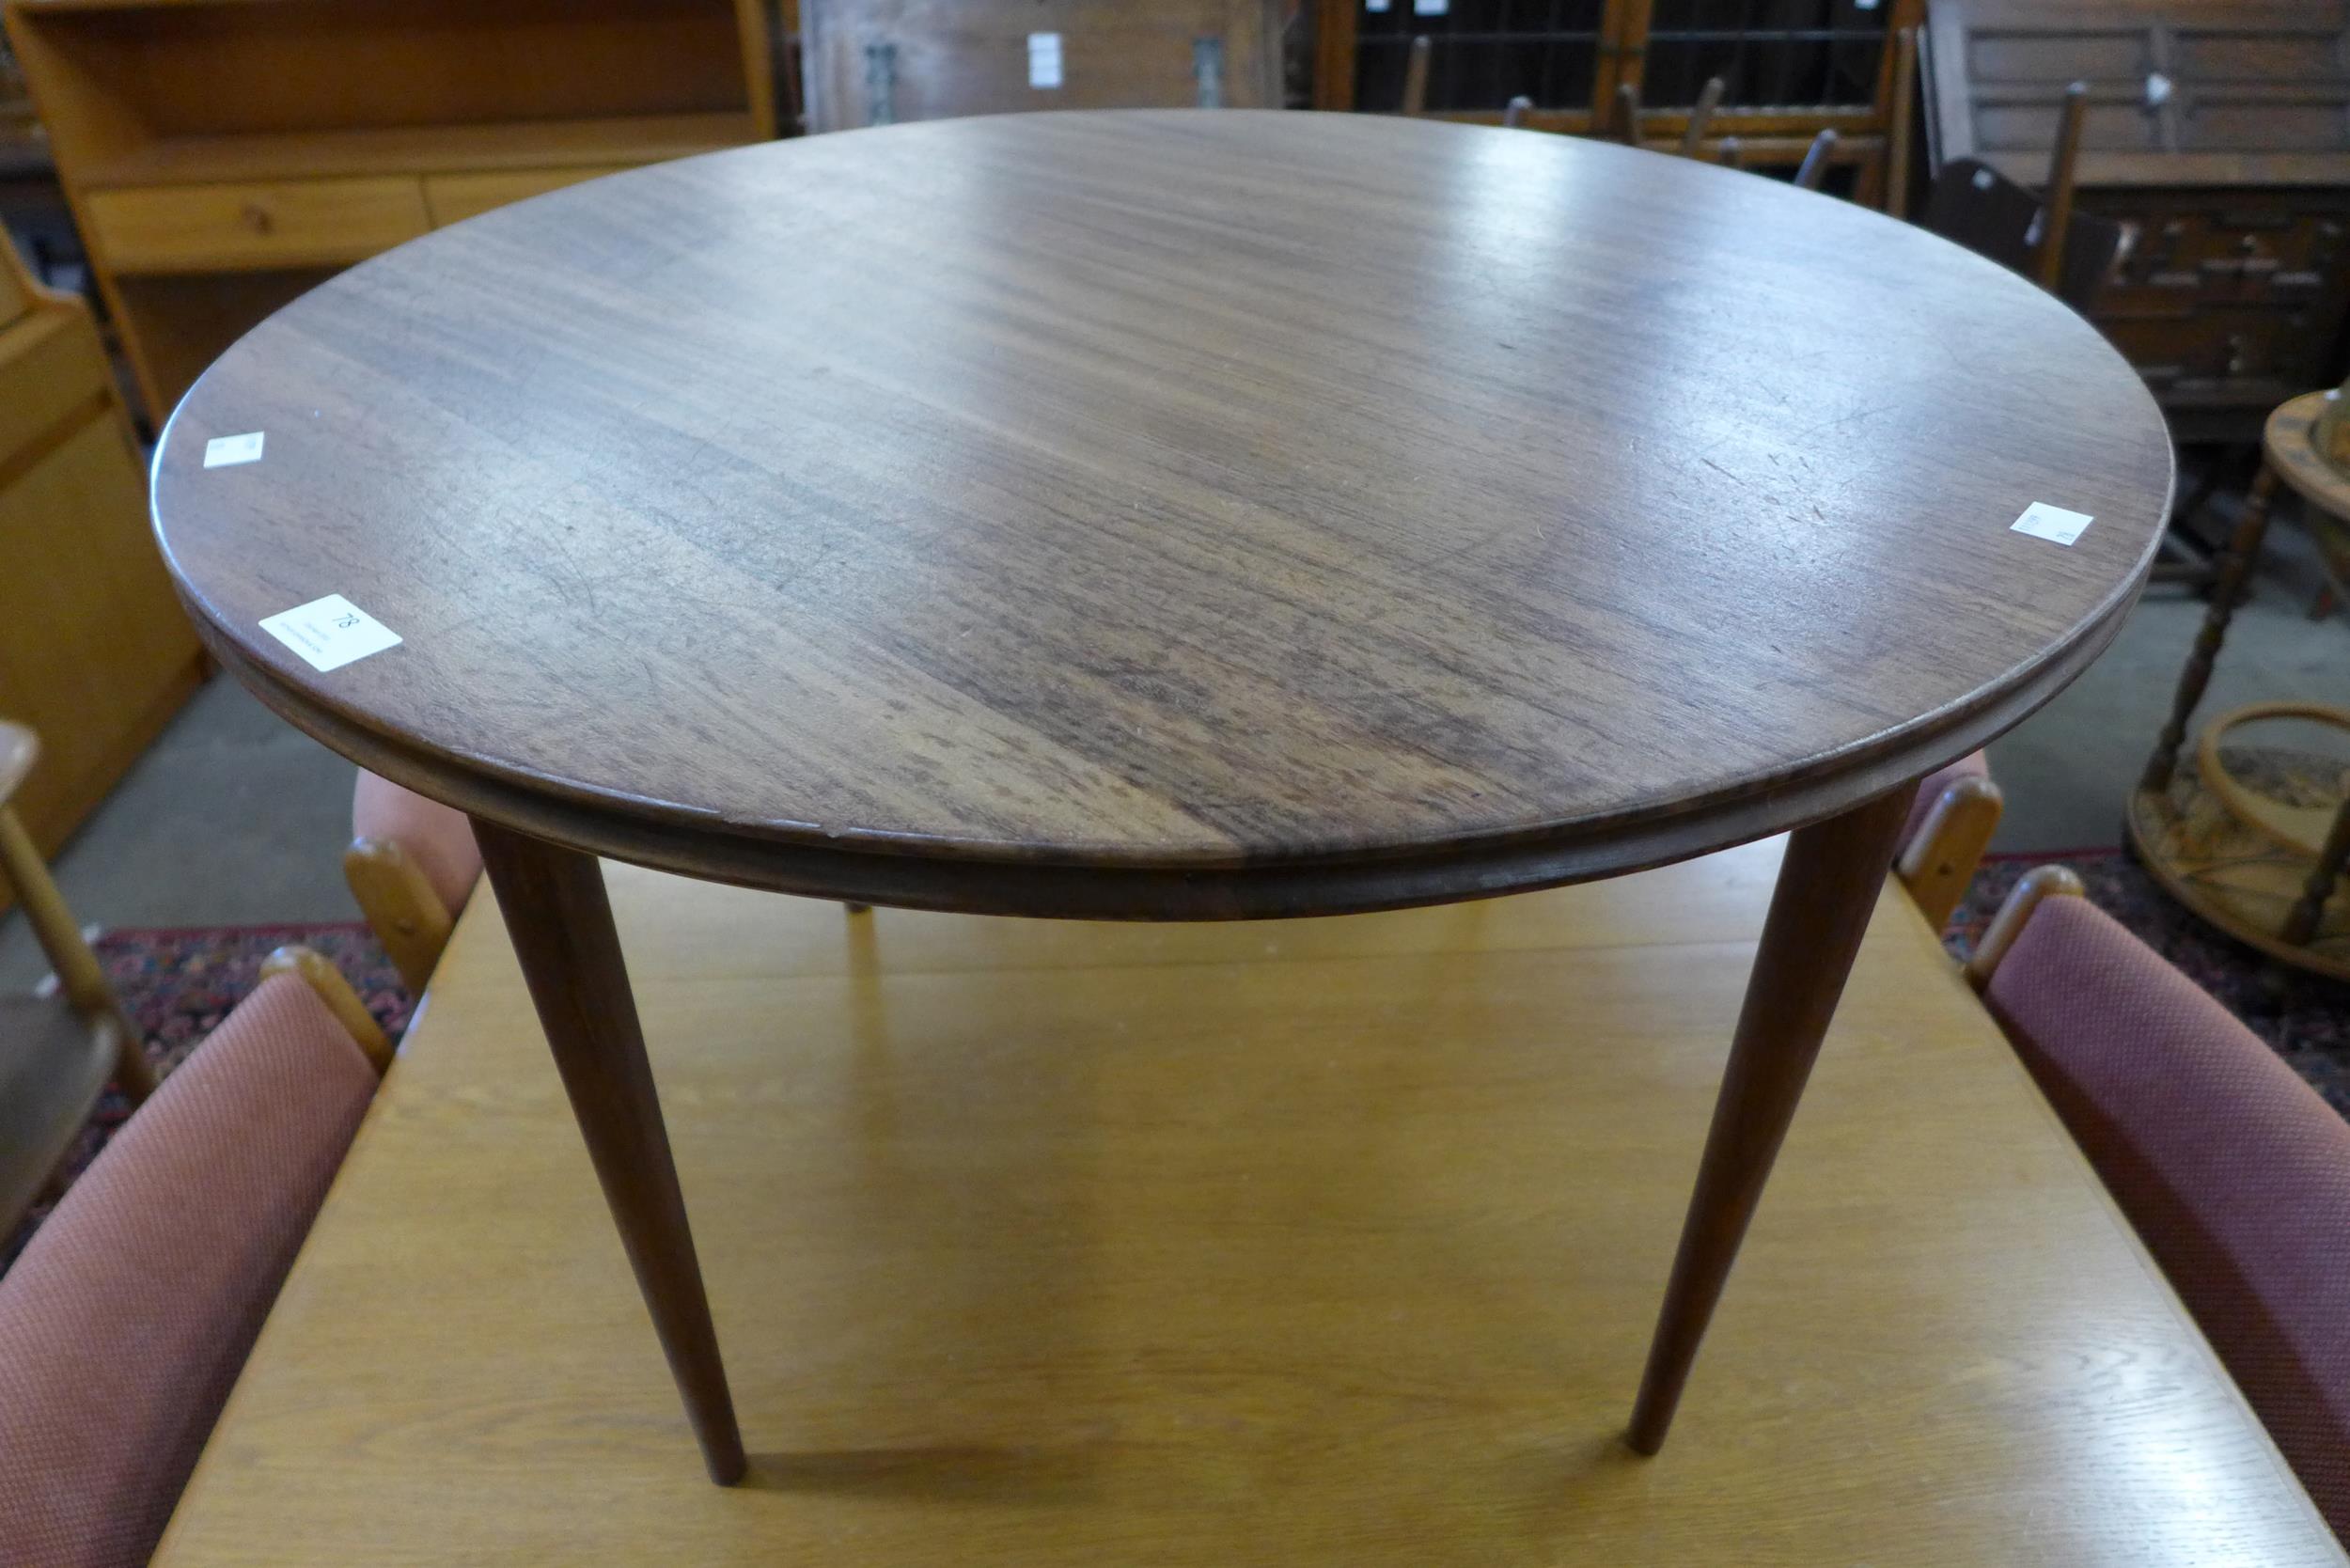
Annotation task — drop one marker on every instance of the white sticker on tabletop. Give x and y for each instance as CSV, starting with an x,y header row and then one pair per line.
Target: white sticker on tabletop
x,y
1044,59
2043,520
226,452
330,631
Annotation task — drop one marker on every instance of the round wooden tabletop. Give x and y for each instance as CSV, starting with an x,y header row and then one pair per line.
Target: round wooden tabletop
x,y
1168,514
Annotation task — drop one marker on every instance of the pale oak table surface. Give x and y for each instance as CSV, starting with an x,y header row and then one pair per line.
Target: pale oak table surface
x,y
1330,1242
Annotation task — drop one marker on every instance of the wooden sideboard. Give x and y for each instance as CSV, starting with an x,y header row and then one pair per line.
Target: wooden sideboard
x,y
223,157
2220,131
94,652
1792,68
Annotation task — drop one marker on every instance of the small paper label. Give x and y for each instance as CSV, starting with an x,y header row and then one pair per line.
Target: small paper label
x,y
226,452
2043,520
1377,8
1430,8
1044,59
330,631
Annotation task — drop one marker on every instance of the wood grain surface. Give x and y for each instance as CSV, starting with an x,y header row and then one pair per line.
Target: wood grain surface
x,y
1326,1243
1168,513
2288,441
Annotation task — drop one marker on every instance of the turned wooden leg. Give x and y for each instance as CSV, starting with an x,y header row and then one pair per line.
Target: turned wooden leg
x,y
2244,548
554,907
1827,887
2301,923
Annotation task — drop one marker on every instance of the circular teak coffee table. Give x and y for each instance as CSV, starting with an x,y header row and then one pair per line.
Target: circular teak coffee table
x,y
1164,516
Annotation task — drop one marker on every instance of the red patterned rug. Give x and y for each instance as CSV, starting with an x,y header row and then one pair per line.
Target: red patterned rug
x,y
178,984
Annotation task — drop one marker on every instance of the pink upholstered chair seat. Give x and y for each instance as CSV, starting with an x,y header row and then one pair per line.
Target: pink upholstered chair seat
x,y
2234,1170
438,838
124,1323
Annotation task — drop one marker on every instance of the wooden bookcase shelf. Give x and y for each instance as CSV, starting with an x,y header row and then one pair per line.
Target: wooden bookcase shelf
x,y
223,156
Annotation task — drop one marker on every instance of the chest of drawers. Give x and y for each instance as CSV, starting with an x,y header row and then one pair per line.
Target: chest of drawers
x,y
2220,131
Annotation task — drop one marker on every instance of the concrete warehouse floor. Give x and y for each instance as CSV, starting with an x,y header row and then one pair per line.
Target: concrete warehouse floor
x,y
233,818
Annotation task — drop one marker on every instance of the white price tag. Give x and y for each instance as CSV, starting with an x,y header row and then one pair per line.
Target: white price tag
x,y
2043,520
1430,8
1377,8
1044,59
330,631
226,452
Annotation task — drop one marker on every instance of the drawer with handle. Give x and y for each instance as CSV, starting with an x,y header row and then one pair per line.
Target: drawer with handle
x,y
293,223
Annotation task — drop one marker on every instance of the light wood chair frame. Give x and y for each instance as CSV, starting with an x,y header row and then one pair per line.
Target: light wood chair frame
x,y
1943,856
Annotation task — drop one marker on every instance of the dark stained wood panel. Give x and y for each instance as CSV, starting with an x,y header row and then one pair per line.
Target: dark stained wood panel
x,y
1180,497
2218,132
2267,79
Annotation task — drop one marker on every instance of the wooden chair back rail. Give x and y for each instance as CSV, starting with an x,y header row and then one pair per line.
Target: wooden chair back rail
x,y
2042,882
397,897
319,973
1622,123
2054,240
2056,226
1814,169
1973,205
1941,856
1416,76
1701,114
1898,137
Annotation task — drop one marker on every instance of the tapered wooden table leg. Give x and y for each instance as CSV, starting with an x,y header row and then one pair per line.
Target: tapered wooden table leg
x,y
561,924
1827,887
